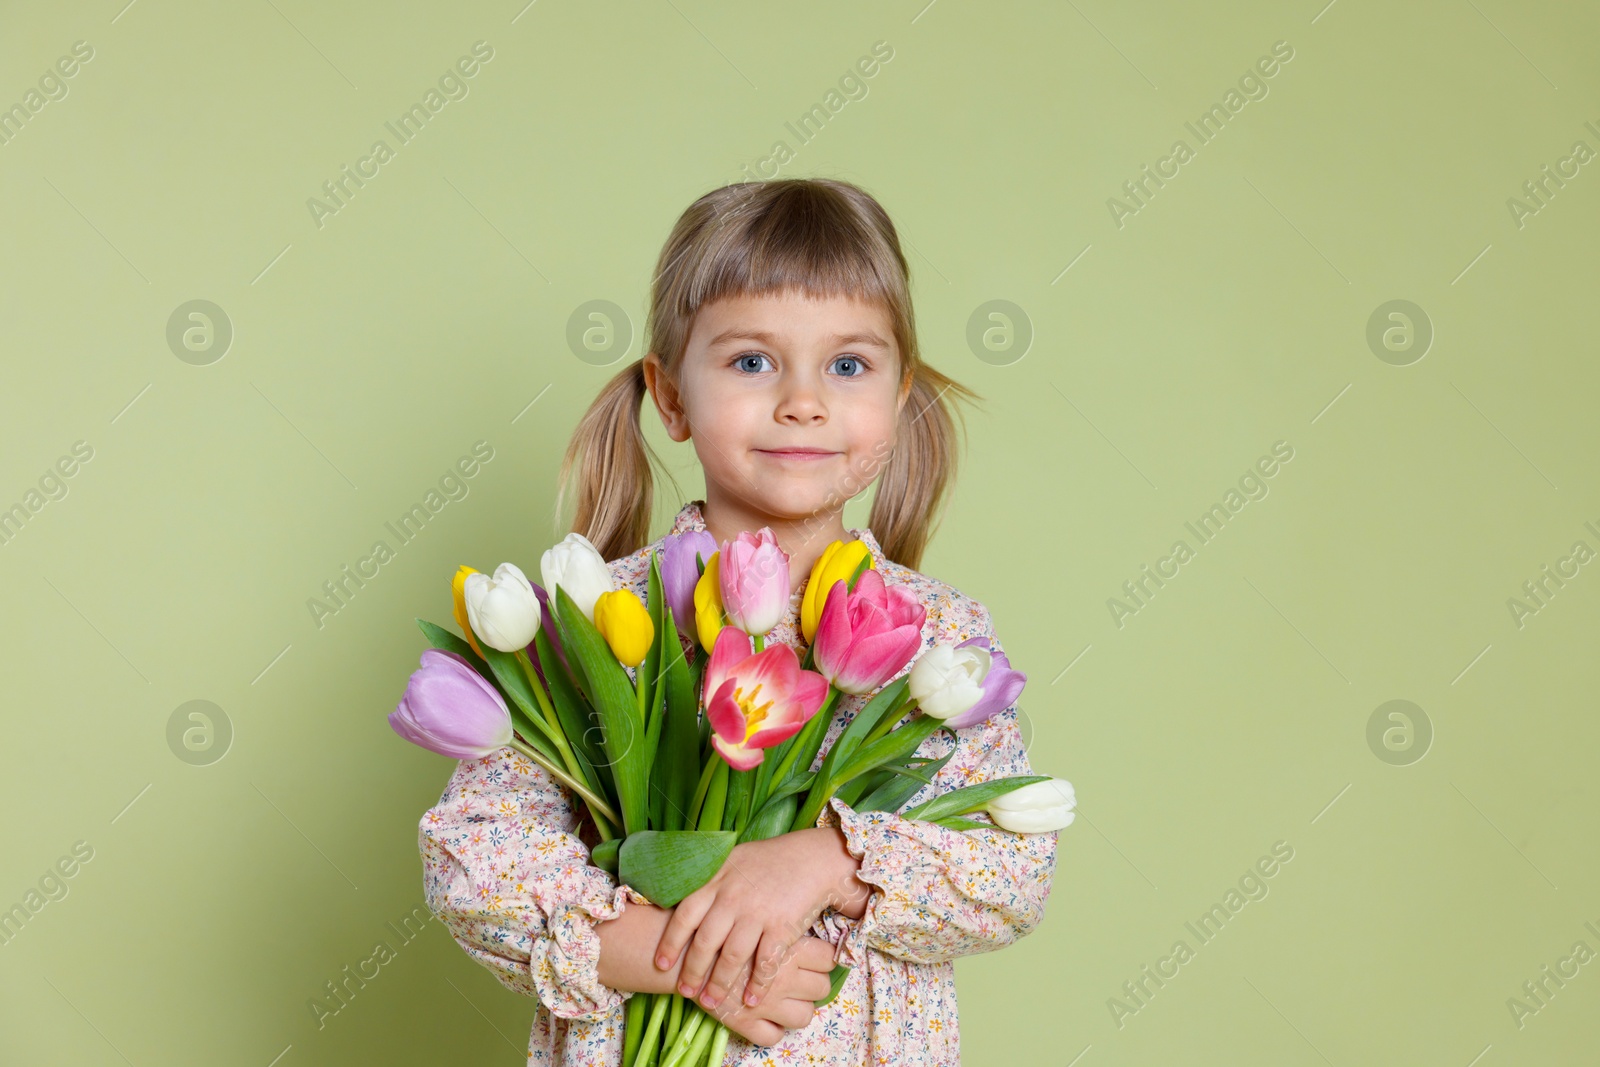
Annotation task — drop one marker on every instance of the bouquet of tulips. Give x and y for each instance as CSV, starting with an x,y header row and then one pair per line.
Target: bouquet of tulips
x,y
688,755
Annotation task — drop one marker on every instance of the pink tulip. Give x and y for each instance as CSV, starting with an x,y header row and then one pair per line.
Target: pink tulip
x,y
867,635
1001,687
754,573
756,701
450,709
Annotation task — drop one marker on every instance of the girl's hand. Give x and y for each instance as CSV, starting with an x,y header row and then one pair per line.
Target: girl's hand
x,y
759,903
801,980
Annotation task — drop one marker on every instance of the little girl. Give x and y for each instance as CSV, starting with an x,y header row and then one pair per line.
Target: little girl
x,y
781,343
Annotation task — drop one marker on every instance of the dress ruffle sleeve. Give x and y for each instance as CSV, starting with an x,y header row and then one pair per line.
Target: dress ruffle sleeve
x,y
505,871
939,894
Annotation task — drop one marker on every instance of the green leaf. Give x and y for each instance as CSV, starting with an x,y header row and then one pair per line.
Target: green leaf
x,y
955,822
836,979
807,741
444,640
795,784
652,743
762,784
612,694
772,820
680,742
851,736
703,723
891,746
604,855
970,798
668,865
901,782
739,785
844,745
514,683
851,791
647,676
578,720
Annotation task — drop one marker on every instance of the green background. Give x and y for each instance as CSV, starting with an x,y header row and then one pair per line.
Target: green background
x,y
1229,313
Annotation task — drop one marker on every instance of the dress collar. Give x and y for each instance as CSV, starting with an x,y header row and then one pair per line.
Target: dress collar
x,y
690,518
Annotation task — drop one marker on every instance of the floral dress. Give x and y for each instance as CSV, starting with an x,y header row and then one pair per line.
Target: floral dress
x,y
506,871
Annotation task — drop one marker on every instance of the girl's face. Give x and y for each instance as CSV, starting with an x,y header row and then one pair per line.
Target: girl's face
x,y
791,401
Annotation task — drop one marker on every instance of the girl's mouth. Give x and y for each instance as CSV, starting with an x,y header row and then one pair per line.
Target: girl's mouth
x,y
801,456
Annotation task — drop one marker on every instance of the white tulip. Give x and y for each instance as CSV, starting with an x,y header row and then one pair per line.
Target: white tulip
x,y
504,609
1035,809
947,680
576,566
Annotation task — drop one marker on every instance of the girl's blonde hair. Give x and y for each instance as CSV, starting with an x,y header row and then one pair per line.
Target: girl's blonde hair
x,y
817,236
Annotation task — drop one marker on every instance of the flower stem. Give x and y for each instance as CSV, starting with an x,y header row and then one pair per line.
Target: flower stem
x,y
716,799
719,1045
597,807
652,1029
890,717
558,735
700,791
701,1039
630,1031
680,1047
802,739
639,696
674,1023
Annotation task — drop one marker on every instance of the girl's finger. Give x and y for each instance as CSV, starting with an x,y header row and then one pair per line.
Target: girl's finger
x,y
768,962
713,931
686,917
763,1032
793,1014
736,952
815,954
812,985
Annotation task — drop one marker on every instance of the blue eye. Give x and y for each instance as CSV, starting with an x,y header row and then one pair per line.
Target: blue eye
x,y
751,363
740,361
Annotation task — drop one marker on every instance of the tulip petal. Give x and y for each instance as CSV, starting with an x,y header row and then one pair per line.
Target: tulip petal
x,y
875,659
739,757
724,714
450,709
731,648
1000,690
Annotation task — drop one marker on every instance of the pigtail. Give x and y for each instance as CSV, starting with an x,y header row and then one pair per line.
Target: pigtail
x,y
609,459
909,503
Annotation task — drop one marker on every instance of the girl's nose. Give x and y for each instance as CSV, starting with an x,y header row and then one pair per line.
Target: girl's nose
x,y
801,402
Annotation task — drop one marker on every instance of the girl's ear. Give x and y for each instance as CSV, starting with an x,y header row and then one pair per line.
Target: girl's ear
x,y
906,380
669,405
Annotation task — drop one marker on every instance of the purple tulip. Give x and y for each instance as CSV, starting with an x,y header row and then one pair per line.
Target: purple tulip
x,y
754,572
448,708
680,572
1001,687
867,634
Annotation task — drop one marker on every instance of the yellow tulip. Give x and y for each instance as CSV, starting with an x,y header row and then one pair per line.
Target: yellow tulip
x,y
708,602
456,587
838,560
624,622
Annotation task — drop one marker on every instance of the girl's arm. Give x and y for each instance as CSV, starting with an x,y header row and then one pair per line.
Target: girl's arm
x,y
505,871
625,946
940,894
